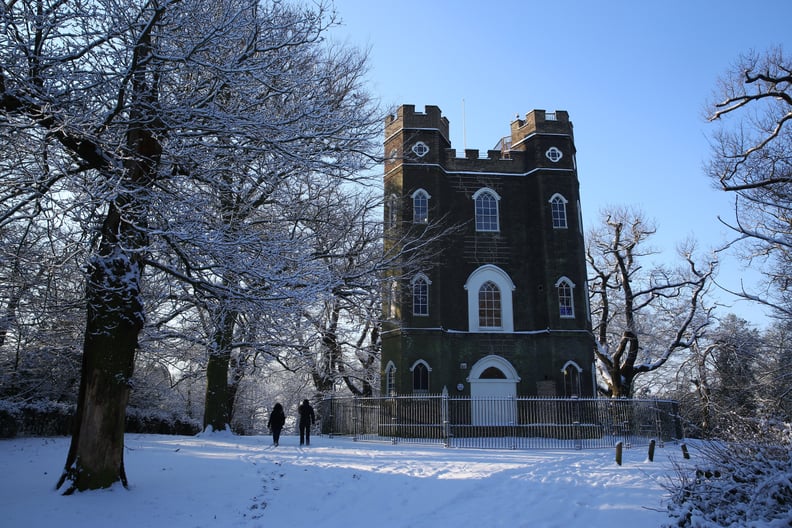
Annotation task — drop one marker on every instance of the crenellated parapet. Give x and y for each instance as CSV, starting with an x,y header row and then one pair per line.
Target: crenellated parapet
x,y
541,140
495,161
407,118
539,122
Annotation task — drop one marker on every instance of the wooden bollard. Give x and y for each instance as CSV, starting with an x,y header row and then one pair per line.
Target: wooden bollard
x,y
651,450
619,446
685,453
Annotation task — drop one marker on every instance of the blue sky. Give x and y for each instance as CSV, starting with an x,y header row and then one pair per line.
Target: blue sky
x,y
634,76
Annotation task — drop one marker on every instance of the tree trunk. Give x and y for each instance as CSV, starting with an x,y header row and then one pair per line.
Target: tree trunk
x,y
622,386
217,411
114,311
9,315
114,320
236,375
622,366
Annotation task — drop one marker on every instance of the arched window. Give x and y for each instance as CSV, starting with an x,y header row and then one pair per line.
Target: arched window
x,y
572,373
390,299
390,379
386,300
420,206
486,209
558,211
420,294
489,305
420,376
566,305
489,294
392,211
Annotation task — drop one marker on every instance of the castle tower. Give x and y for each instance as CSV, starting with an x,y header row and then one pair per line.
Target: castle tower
x,y
503,310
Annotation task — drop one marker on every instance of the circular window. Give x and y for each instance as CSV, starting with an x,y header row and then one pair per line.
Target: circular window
x,y
420,149
554,155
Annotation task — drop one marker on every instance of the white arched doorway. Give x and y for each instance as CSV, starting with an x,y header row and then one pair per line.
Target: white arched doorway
x,y
493,390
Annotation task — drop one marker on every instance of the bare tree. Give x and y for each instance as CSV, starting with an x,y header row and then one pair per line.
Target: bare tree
x,y
641,316
752,160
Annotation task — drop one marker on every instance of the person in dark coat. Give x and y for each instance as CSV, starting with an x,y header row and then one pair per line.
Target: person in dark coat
x,y
307,419
275,423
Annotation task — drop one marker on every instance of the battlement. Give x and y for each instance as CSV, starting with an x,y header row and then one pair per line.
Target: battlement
x,y
407,118
524,150
474,160
539,121
536,121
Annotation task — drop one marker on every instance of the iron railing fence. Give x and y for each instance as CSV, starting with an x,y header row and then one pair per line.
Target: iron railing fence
x,y
506,423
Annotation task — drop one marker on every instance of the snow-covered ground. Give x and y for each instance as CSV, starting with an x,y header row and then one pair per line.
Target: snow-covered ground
x,y
221,480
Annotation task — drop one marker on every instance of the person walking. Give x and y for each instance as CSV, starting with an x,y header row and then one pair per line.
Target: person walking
x,y
275,423
307,419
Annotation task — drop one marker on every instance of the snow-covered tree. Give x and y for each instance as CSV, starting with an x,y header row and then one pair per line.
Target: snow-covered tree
x,y
41,311
738,347
741,477
723,366
641,316
151,127
774,376
341,333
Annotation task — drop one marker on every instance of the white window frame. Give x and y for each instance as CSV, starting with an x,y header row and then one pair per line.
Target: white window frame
x,y
420,149
494,274
558,204
564,282
415,365
572,379
481,227
392,218
554,154
420,278
420,214
391,299
390,379
488,301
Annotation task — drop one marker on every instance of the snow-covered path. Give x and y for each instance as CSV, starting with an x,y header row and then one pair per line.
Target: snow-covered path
x,y
220,480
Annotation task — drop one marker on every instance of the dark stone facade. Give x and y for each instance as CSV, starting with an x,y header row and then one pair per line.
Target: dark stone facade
x,y
540,342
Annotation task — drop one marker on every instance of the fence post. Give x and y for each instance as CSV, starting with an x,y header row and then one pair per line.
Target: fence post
x,y
680,428
658,418
444,417
331,415
627,432
576,417
619,452
395,420
355,411
512,413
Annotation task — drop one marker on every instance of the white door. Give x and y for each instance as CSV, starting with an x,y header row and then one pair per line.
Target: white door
x,y
493,402
493,389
